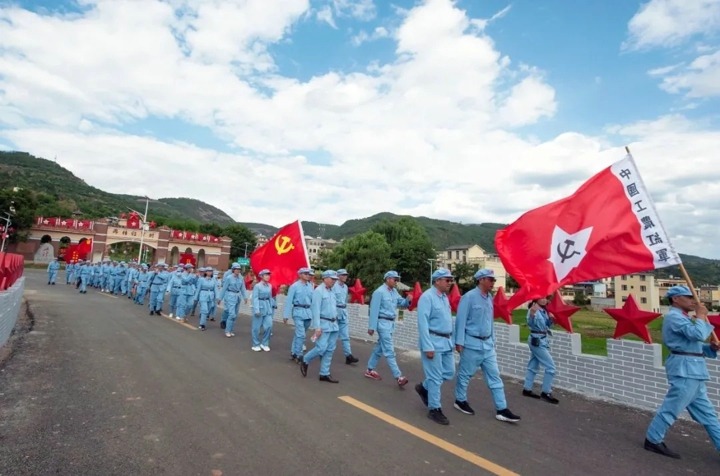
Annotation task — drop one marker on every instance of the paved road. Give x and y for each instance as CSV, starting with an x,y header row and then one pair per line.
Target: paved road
x,y
99,387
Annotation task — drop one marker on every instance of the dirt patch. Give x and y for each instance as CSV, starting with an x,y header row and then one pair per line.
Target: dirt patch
x,y
24,324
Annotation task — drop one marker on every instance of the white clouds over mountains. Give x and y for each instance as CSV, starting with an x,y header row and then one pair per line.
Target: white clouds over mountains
x,y
435,131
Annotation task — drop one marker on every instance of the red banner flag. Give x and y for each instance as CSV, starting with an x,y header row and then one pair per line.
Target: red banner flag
x,y
84,248
283,255
608,227
133,221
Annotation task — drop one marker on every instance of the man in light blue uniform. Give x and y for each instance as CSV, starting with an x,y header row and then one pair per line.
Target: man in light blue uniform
x,y
475,341
142,285
97,275
297,306
187,293
224,315
121,279
85,273
324,321
52,270
158,283
262,305
341,296
383,307
131,280
435,328
205,295
68,272
233,290
686,371
174,288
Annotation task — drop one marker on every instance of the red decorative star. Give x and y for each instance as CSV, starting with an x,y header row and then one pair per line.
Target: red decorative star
x,y
632,320
357,292
153,224
561,312
123,215
454,298
715,321
500,306
415,295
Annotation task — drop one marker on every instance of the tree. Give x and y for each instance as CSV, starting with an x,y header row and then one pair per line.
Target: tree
x,y
511,283
239,234
211,229
410,247
21,204
464,273
365,256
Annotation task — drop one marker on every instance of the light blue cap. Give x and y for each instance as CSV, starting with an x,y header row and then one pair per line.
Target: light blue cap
x,y
441,273
235,266
678,291
304,270
484,273
391,274
342,272
264,272
188,265
330,274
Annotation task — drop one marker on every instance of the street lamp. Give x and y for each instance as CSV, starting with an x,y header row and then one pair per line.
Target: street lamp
x,y
431,261
143,226
5,230
246,245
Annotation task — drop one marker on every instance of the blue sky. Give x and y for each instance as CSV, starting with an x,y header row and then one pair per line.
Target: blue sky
x,y
438,108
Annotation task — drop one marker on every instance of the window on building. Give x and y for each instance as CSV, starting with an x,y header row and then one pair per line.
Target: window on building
x,y
457,255
643,289
642,277
624,298
643,300
449,255
624,278
624,287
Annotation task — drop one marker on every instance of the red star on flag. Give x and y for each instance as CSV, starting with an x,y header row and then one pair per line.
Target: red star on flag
x,y
500,306
357,292
632,320
561,312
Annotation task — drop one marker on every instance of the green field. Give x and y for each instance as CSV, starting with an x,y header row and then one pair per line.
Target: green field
x,y
595,328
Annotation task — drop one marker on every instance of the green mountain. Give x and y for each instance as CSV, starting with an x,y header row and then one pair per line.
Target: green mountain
x,y
64,193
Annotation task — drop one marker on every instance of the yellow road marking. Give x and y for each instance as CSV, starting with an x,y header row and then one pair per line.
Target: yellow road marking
x,y
108,295
178,322
432,439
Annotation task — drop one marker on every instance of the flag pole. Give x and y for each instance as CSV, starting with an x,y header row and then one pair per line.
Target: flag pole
x,y
686,276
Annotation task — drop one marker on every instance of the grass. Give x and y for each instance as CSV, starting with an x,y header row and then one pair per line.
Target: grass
x,y
594,328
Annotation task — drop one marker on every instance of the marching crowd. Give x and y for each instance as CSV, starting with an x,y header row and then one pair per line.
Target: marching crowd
x,y
323,308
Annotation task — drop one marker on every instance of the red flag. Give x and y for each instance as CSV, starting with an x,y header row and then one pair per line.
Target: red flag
x,y
415,295
283,255
500,306
608,227
454,297
84,247
133,221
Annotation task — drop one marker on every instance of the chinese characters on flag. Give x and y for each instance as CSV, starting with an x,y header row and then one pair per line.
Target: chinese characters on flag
x,y
283,255
608,227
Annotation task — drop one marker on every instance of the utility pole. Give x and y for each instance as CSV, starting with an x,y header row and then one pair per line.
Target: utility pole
x,y
143,226
431,261
5,230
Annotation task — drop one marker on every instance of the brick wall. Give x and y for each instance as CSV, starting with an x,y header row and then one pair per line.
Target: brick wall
x,y
10,301
632,373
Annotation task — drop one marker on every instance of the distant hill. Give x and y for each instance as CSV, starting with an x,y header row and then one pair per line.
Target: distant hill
x,y
20,169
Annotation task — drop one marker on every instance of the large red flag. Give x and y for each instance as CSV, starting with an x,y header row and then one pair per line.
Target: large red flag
x,y
608,227
283,255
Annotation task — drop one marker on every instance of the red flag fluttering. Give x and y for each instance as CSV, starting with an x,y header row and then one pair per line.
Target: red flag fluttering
x,y
283,255
608,227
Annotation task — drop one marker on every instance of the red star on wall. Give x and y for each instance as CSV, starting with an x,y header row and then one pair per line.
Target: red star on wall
x,y
415,295
357,292
561,312
632,320
454,298
500,306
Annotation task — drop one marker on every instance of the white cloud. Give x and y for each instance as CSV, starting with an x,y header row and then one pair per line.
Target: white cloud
x,y
364,37
699,79
663,23
431,132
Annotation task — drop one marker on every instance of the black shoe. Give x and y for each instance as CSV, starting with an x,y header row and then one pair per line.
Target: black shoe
x,y
464,407
531,394
223,324
549,398
152,312
53,284
212,318
303,368
661,449
423,393
202,328
328,378
437,416
48,283
351,359
507,415
294,358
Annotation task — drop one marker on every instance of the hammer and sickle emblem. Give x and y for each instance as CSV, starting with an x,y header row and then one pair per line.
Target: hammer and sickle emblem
x,y
567,254
283,245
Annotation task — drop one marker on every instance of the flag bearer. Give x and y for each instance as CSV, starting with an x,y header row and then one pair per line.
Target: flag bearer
x,y
539,322
297,306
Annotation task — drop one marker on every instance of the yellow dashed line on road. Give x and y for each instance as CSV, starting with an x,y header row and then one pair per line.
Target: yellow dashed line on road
x,y
432,439
178,322
107,295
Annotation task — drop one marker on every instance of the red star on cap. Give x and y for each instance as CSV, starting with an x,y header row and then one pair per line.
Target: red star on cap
x,y
561,312
632,320
500,306
357,292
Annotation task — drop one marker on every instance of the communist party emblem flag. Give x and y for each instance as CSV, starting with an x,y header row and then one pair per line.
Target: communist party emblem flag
x,y
608,227
283,255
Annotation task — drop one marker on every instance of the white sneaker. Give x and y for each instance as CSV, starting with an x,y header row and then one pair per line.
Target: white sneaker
x,y
304,347
178,318
171,314
265,348
227,334
256,348
232,334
